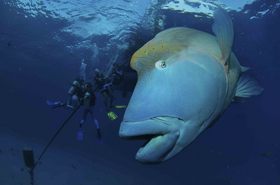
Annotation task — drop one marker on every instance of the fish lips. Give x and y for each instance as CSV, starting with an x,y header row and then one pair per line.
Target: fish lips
x,y
160,133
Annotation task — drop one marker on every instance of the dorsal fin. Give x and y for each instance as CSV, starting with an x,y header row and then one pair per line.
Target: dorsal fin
x,y
223,30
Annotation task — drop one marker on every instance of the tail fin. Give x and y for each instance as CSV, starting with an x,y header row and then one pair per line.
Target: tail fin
x,y
247,87
223,30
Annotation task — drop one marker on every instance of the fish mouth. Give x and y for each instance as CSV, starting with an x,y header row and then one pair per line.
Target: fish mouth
x,y
159,134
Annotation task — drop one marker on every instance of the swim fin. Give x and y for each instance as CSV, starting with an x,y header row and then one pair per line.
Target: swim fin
x,y
50,103
119,106
80,135
112,116
55,104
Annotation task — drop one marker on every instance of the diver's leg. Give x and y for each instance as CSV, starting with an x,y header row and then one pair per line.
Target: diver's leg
x,y
110,95
84,118
73,101
80,133
106,100
111,100
97,126
69,100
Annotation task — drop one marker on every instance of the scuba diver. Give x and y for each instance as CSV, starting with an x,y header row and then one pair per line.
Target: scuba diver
x,y
117,81
76,91
117,74
104,86
75,94
80,94
88,101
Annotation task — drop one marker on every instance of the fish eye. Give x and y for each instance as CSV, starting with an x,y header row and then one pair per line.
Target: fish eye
x,y
160,64
163,65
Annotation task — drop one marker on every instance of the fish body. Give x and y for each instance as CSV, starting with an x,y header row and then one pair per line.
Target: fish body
x,y
186,79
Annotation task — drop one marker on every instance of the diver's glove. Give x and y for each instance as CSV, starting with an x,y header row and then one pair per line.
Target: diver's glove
x,y
112,116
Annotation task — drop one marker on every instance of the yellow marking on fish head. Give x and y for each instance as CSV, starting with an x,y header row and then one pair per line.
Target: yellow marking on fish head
x,y
151,52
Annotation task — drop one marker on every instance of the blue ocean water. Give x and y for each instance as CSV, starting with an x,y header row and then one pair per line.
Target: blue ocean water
x,y
41,47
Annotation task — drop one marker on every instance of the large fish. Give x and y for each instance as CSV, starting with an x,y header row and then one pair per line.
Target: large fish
x,y
186,79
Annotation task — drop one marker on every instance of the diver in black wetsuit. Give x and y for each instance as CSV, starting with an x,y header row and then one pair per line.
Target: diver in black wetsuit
x,y
88,101
104,86
75,94
80,94
117,74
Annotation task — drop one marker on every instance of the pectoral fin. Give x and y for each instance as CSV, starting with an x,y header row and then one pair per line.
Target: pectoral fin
x,y
247,87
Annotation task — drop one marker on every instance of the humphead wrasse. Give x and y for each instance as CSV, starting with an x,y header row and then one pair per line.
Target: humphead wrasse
x,y
186,80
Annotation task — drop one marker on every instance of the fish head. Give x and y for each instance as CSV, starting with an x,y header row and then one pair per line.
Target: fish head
x,y
175,96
